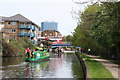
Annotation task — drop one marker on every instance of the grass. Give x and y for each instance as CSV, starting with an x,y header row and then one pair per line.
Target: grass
x,y
96,69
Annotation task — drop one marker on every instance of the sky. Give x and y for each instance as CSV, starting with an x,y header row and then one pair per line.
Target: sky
x,y
43,10
38,11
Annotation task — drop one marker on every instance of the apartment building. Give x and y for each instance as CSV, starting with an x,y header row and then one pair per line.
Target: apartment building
x,y
18,26
50,32
4,35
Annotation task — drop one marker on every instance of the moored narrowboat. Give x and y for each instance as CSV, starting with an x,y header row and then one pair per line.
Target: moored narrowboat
x,y
38,56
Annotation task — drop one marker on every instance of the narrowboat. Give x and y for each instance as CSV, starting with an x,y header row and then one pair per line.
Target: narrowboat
x,y
38,56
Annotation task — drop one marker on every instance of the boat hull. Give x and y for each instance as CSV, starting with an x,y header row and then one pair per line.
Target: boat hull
x,y
37,60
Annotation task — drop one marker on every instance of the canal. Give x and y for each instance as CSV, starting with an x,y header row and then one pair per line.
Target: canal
x,y
65,66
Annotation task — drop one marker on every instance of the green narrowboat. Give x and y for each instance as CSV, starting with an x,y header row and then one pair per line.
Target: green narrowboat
x,y
38,56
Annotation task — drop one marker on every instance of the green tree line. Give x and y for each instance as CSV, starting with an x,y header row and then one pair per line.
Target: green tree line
x,y
99,30
16,47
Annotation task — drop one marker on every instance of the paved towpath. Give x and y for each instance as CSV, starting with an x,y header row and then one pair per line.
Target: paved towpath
x,y
112,67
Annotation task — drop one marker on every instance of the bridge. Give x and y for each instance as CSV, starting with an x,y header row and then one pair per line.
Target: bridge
x,y
65,44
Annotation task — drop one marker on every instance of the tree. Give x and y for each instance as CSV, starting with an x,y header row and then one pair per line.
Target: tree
x,y
81,35
68,38
98,29
105,28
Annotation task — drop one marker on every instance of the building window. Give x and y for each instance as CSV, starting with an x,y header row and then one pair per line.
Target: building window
x,y
13,23
8,23
50,34
7,30
13,30
45,34
12,37
23,23
23,30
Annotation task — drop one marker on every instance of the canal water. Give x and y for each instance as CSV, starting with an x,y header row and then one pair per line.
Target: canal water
x,y
64,66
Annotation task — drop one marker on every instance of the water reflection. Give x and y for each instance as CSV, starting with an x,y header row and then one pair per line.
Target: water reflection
x,y
64,66
12,60
34,70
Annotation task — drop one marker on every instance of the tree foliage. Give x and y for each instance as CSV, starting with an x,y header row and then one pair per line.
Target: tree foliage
x,y
81,34
68,38
16,47
99,30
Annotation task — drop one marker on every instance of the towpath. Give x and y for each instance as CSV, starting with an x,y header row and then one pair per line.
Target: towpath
x,y
112,67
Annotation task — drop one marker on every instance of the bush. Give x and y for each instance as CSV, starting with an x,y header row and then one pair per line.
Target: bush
x,y
17,47
9,49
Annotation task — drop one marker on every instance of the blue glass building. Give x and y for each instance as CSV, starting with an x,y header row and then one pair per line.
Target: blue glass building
x,y
49,25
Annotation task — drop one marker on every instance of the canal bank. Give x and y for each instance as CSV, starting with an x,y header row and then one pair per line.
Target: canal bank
x,y
95,69
83,65
64,66
109,65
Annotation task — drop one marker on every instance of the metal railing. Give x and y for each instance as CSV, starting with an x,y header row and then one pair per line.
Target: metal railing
x,y
26,34
27,27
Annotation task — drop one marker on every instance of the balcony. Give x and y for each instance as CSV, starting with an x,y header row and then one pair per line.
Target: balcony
x,y
25,27
36,29
31,34
32,27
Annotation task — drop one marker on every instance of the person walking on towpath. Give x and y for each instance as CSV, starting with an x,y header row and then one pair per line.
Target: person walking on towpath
x,y
82,50
89,50
28,52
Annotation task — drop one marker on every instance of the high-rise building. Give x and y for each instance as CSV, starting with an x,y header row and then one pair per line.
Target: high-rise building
x,y
49,25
